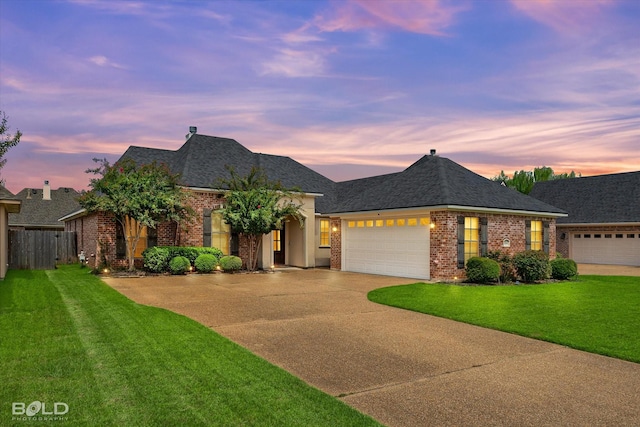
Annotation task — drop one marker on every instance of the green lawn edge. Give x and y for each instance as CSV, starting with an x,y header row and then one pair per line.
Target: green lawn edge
x,y
68,337
597,314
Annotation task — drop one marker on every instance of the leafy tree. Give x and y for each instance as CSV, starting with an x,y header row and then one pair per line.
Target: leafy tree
x,y
6,140
256,206
138,195
523,181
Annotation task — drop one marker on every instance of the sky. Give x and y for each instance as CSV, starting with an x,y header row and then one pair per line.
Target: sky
x,y
350,88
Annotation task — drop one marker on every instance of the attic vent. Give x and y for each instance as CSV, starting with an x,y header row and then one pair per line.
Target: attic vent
x,y
433,152
193,129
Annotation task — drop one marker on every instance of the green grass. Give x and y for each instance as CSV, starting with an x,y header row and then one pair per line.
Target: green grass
x,y
598,314
68,337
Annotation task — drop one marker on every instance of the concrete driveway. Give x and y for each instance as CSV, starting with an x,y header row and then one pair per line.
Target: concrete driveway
x,y
400,367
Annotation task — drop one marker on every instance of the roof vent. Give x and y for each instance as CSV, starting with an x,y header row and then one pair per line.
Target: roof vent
x,y
433,151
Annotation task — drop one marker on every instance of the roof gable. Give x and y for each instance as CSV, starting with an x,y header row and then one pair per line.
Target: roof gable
x,y
597,199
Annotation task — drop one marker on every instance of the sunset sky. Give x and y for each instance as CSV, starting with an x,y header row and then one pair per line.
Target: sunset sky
x,y
349,88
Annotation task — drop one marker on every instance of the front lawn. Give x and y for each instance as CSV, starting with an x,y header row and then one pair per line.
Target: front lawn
x,y
67,337
598,314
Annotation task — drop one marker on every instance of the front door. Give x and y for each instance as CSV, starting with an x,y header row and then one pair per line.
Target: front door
x,y
278,247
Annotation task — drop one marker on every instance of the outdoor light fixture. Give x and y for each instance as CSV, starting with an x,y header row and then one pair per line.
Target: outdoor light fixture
x,y
433,224
105,271
334,229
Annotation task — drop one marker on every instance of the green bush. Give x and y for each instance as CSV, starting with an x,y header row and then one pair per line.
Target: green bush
x,y
179,265
507,268
563,268
230,263
156,258
482,270
532,266
206,263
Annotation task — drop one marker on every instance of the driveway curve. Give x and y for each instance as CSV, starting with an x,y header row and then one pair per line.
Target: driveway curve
x,y
400,367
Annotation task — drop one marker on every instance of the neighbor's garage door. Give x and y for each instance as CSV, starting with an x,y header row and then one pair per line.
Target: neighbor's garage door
x,y
390,246
606,248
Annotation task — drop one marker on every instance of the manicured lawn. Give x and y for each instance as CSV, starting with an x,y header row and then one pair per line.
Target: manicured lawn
x,y
67,337
598,314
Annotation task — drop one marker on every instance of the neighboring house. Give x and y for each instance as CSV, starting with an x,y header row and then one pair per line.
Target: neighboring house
x,y
603,226
423,222
42,207
9,204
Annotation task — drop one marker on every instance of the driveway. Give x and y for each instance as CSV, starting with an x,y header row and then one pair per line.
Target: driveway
x,y
400,367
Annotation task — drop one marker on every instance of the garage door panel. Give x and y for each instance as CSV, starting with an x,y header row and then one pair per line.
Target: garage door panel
x,y
589,249
396,251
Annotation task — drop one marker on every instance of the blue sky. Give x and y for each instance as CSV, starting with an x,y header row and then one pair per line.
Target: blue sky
x,y
350,88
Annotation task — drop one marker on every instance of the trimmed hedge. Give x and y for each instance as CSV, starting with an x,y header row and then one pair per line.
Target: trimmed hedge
x,y
563,268
482,270
532,266
206,263
179,265
156,258
230,263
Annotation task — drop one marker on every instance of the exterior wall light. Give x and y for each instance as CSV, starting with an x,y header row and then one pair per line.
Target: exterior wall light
x,y
334,229
432,225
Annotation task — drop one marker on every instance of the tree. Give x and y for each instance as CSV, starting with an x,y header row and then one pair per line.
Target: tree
x,y
523,181
138,195
6,140
255,206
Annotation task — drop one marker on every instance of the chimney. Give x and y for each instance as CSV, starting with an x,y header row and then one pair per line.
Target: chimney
x,y
433,151
192,131
46,191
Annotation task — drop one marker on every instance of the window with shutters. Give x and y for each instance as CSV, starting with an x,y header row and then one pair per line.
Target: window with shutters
x,y
220,233
148,239
536,235
471,238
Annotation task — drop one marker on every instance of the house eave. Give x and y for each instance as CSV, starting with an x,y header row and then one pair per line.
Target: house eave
x,y
457,208
220,191
598,224
11,205
73,215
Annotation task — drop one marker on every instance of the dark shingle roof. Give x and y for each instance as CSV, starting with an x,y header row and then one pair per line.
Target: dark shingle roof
x,y
202,159
594,199
433,181
36,212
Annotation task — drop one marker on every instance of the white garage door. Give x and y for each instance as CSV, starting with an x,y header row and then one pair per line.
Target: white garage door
x,y
389,246
606,248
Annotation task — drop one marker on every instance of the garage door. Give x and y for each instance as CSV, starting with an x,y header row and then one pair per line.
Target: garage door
x,y
606,248
390,246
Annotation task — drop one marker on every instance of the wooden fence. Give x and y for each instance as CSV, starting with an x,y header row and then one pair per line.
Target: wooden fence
x,y
41,250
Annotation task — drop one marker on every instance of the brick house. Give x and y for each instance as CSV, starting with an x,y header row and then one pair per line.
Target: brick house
x,y
603,226
423,222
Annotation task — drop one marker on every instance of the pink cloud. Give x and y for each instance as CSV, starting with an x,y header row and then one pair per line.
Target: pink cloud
x,y
424,17
564,16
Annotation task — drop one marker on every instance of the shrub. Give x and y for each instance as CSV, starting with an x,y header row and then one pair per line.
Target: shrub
x,y
532,265
507,268
563,268
482,270
206,263
156,259
230,263
179,265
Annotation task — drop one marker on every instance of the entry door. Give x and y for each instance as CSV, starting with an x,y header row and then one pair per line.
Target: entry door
x,y
278,247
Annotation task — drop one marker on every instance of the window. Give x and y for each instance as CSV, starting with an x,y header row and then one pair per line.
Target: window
x,y
219,233
390,223
401,222
379,223
577,236
597,236
277,241
148,238
369,223
471,238
536,235
607,236
630,236
587,236
618,236
360,224
412,222
324,233
352,224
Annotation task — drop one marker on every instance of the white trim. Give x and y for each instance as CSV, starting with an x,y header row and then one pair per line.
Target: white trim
x,y
599,224
73,215
448,208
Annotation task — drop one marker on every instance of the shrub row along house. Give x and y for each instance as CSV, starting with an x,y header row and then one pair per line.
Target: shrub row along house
x,y
423,222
